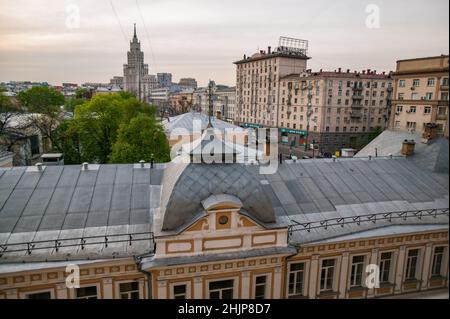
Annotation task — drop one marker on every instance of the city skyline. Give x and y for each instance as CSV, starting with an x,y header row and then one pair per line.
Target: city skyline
x,y
201,39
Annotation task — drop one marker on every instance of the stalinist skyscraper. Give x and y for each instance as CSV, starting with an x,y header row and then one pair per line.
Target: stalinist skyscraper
x,y
135,73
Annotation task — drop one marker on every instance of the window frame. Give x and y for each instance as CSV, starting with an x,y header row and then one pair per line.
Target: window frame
x,y
305,272
267,285
392,266
140,287
98,290
235,286
417,267
325,288
24,295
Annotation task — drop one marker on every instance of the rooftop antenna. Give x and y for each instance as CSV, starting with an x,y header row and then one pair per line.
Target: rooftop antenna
x,y
210,87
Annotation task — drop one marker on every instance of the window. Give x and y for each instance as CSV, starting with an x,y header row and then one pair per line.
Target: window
x,y
180,292
445,81
129,290
444,96
438,256
399,109
385,267
411,264
34,144
402,83
327,275
260,287
431,81
429,96
414,96
357,271
86,292
411,125
401,96
221,289
39,295
412,109
416,82
442,110
397,124
427,110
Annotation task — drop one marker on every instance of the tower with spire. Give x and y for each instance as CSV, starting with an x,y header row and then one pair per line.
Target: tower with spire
x,y
135,72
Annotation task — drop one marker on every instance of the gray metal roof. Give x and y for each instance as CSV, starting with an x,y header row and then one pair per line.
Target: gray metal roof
x,y
65,202
433,156
186,121
187,185
103,206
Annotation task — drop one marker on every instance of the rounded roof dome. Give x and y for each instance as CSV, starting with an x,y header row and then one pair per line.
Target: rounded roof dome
x,y
189,186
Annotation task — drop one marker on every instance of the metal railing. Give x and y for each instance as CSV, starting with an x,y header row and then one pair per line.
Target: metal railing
x,y
81,242
373,218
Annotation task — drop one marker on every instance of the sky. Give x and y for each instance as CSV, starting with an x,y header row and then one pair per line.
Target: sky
x,y
87,41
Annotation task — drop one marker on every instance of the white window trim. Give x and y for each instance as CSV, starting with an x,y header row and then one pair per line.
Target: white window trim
x,y
364,274
336,274
268,284
445,260
419,265
305,277
24,295
179,283
73,293
235,285
140,285
393,266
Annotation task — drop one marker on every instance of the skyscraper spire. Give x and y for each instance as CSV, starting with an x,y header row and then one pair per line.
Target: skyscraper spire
x,y
135,36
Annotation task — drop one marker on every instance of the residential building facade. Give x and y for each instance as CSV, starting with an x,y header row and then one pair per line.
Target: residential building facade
x,y
225,103
335,110
258,84
421,94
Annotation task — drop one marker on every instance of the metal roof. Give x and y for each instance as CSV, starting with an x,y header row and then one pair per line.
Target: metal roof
x,y
432,156
64,212
186,122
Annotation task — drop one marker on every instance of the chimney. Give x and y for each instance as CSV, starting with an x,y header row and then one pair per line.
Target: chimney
x,y
39,167
340,70
85,166
430,133
408,147
245,56
364,72
320,71
269,49
348,70
375,72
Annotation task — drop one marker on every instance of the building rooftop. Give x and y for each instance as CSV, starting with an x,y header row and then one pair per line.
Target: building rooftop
x,y
113,211
187,121
366,74
433,156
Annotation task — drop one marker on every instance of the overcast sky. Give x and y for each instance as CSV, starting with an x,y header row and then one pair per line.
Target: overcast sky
x,y
40,39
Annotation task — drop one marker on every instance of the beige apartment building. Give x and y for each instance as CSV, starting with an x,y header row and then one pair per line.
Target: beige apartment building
x,y
421,94
258,83
334,109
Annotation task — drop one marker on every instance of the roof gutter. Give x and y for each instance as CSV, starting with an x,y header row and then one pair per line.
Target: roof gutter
x,y
147,274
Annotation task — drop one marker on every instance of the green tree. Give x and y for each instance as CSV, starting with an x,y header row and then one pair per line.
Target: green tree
x,y
96,123
141,139
374,133
67,137
41,99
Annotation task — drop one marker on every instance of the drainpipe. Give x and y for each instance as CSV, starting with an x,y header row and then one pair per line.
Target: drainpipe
x,y
147,274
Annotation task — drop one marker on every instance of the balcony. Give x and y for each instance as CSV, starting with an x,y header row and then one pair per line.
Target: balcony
x,y
357,97
444,87
356,114
441,117
357,106
358,88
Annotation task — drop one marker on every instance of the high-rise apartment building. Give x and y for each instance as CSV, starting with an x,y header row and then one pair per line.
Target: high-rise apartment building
x,y
334,110
258,79
421,94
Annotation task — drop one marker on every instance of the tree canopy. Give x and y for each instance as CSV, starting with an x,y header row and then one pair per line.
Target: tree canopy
x,y
41,99
95,129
